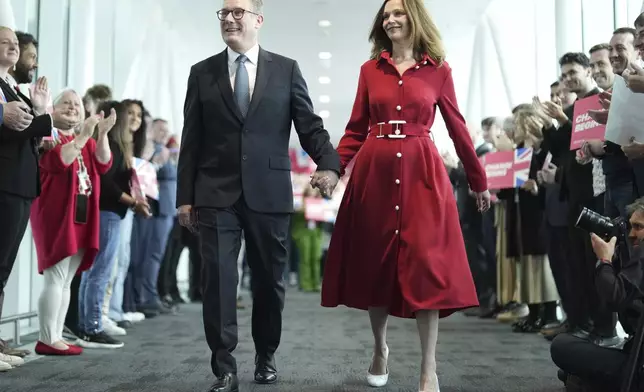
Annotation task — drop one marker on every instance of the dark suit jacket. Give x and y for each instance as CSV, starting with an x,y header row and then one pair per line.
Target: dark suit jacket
x,y
19,171
468,211
224,156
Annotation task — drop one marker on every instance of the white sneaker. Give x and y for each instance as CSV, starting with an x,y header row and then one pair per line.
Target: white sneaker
x,y
112,329
11,360
134,317
4,366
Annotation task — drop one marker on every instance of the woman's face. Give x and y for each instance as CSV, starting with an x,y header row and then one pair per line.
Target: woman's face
x,y
70,106
9,48
134,117
395,21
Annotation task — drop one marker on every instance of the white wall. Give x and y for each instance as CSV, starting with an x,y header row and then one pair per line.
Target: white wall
x,y
502,52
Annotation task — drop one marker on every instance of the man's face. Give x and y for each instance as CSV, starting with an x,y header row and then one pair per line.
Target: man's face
x,y
639,41
491,133
636,235
161,132
575,77
240,24
622,52
600,63
27,65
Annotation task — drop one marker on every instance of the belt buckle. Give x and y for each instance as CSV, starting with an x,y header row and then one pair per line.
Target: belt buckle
x,y
380,135
397,132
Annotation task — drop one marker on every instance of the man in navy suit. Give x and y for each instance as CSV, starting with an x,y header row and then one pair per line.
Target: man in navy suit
x,y
234,176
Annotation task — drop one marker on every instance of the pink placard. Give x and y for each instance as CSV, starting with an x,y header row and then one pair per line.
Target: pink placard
x,y
583,126
507,169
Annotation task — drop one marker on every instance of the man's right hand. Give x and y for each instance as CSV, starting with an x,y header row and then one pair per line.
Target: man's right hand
x,y
16,115
187,218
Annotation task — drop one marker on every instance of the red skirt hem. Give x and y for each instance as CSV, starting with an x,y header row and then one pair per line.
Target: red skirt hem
x,y
443,311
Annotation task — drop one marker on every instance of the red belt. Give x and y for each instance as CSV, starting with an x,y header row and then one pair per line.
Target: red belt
x,y
398,130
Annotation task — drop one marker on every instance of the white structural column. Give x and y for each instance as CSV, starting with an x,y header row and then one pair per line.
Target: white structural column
x,y
598,22
104,37
82,27
569,27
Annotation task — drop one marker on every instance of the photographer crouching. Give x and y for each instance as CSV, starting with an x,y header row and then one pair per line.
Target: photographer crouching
x,y
618,281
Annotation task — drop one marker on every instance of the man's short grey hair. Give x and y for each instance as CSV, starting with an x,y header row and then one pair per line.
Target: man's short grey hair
x,y
637,205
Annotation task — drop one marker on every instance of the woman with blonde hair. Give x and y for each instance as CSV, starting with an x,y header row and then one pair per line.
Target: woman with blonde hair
x,y
397,247
70,174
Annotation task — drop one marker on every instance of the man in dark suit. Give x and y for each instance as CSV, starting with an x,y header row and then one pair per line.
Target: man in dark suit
x,y
234,175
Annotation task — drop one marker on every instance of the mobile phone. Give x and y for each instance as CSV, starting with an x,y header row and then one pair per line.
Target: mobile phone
x,y
80,210
546,163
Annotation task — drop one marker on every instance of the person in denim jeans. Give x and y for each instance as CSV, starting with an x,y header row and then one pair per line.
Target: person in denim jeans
x,y
114,202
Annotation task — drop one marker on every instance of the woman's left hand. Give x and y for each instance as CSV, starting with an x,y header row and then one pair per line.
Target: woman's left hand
x,y
483,200
40,96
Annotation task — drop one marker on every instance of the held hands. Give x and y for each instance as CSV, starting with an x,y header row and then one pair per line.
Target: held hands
x,y
40,95
325,181
16,115
603,250
531,186
141,207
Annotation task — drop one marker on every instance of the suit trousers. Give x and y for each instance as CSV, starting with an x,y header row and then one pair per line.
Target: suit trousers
x,y
167,283
585,309
559,264
15,212
220,235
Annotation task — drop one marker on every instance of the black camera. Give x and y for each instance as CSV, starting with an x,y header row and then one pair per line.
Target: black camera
x,y
604,227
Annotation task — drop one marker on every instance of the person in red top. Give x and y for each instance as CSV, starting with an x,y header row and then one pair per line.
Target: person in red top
x,y
65,218
397,247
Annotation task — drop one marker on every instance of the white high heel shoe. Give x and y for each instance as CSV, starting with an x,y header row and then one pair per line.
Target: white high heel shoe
x,y
378,380
438,387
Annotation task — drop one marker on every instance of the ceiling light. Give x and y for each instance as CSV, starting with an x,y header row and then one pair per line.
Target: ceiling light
x,y
324,23
324,113
324,99
324,80
324,55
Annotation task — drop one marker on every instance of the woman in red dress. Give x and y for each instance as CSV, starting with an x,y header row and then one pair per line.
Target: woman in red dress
x,y
65,218
397,247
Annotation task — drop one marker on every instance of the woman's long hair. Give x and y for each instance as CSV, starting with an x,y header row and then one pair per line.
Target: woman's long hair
x,y
424,34
139,137
120,133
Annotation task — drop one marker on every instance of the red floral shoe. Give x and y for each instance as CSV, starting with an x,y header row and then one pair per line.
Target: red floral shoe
x,y
44,349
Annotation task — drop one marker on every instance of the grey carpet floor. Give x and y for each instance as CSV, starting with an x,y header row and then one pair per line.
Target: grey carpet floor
x,y
322,350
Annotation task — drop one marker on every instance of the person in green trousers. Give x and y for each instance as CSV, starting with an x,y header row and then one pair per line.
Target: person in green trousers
x,y
308,239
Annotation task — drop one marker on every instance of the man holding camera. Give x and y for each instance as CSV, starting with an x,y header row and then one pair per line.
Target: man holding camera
x,y
618,281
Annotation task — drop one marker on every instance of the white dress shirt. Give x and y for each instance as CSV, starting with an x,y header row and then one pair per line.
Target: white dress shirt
x,y
251,67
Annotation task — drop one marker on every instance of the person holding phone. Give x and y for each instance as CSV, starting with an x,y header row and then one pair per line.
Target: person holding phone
x,y
114,201
70,171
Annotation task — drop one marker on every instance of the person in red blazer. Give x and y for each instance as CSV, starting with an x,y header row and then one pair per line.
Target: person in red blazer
x,y
65,218
397,247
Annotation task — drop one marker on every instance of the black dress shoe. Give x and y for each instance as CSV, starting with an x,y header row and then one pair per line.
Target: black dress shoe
x,y
226,383
265,372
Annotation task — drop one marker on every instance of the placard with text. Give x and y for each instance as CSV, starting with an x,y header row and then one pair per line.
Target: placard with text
x,y
507,169
583,126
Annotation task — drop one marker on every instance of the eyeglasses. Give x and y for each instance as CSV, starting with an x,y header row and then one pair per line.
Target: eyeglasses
x,y
237,13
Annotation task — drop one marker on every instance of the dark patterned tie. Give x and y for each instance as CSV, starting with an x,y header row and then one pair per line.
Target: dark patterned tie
x,y
242,89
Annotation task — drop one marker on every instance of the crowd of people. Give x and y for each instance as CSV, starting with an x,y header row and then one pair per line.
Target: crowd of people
x,y
108,176
527,254
96,178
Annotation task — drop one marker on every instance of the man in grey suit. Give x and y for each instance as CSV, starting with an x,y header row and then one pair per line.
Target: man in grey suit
x,y
234,175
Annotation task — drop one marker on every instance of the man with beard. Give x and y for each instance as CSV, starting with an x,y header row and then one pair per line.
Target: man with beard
x,y
25,70
618,281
